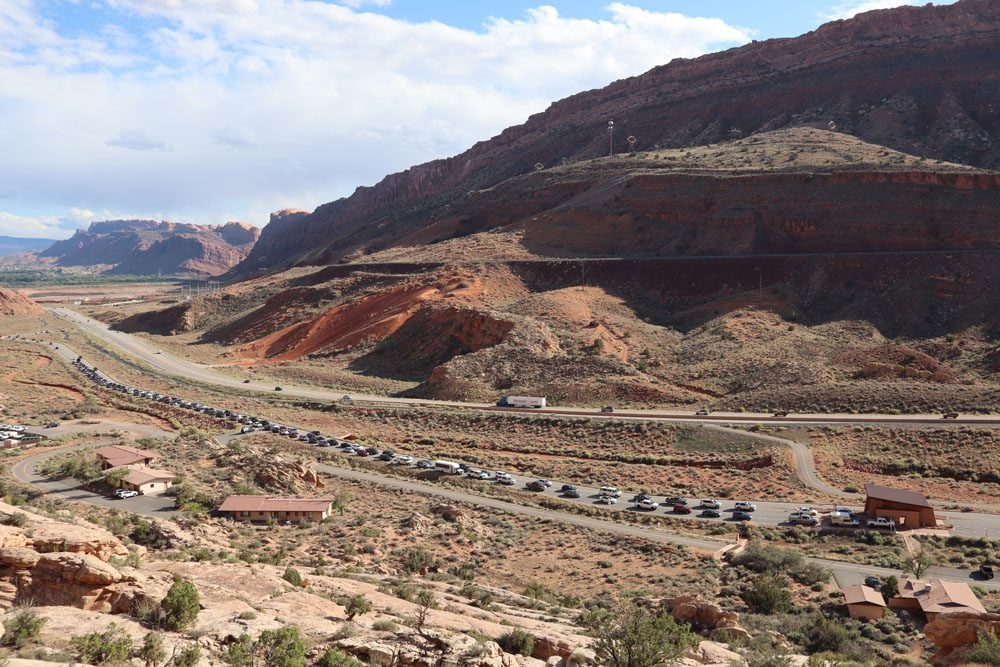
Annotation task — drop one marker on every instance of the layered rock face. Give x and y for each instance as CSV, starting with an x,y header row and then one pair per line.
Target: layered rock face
x,y
57,563
148,247
955,631
919,79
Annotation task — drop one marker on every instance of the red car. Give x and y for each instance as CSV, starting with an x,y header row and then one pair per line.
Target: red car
x,y
682,509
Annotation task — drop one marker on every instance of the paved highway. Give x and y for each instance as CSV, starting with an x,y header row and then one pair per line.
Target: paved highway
x,y
182,369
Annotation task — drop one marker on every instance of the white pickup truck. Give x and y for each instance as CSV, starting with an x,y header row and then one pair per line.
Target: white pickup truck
x,y
881,522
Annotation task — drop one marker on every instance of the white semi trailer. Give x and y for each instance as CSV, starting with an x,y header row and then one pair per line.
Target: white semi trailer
x,y
521,402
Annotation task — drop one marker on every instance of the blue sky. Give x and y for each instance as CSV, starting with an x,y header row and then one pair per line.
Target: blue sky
x,y
213,110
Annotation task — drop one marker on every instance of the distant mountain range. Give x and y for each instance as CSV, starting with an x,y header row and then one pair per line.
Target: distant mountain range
x,y
150,247
12,245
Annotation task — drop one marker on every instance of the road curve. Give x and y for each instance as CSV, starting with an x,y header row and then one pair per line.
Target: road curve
x,y
186,370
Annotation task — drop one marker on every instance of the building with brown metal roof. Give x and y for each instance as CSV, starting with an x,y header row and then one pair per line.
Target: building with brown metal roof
x,y
113,456
936,596
270,508
909,509
864,602
148,481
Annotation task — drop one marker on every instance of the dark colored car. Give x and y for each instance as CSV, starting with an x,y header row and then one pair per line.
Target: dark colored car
x,y
641,496
873,582
277,388
740,515
567,487
710,514
570,493
608,408
950,415
682,509
534,485
675,500
387,456
986,571
781,413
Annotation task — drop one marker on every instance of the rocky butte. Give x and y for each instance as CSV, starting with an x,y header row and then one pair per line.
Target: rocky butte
x,y
147,247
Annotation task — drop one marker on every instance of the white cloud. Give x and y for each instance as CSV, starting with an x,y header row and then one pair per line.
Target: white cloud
x,y
137,140
846,10
356,4
234,108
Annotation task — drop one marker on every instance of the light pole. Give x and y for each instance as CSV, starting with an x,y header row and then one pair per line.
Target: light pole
x,y
611,138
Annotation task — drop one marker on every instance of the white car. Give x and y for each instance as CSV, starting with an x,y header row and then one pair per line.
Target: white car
x,y
710,504
606,499
647,504
403,460
611,491
745,506
126,493
811,511
544,482
508,480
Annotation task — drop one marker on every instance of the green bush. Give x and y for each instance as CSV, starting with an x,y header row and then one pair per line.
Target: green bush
x,y
385,625
517,642
22,628
985,651
152,651
356,606
99,648
632,637
281,648
824,633
292,576
189,656
14,519
181,605
768,595
336,658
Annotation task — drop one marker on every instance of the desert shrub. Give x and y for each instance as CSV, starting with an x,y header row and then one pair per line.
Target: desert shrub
x,y
768,595
356,606
986,650
99,648
181,605
416,560
632,637
14,519
517,642
189,656
760,652
385,625
890,587
241,652
281,648
336,658
247,616
22,628
292,576
152,651
823,633
774,560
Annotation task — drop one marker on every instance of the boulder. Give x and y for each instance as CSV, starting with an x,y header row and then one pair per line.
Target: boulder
x,y
548,647
956,630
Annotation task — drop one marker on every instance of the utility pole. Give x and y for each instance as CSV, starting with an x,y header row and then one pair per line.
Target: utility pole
x,y
611,138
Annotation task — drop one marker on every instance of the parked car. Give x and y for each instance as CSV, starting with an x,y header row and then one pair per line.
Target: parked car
x,y
881,522
608,408
873,582
745,506
403,460
675,500
535,485
811,511
567,487
51,424
641,496
740,515
682,509
708,503
605,499
126,493
702,412
647,504
424,464
611,491
711,513
803,519
545,482
781,413
277,388
571,492
508,481
986,571
950,415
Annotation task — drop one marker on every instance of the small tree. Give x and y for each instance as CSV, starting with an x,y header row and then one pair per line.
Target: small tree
x,y
24,627
292,576
517,642
336,658
181,605
98,648
918,563
890,587
241,652
152,651
281,648
634,637
768,595
187,656
425,602
356,606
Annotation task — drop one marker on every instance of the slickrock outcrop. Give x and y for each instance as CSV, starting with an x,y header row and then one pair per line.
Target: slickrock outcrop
x,y
954,631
